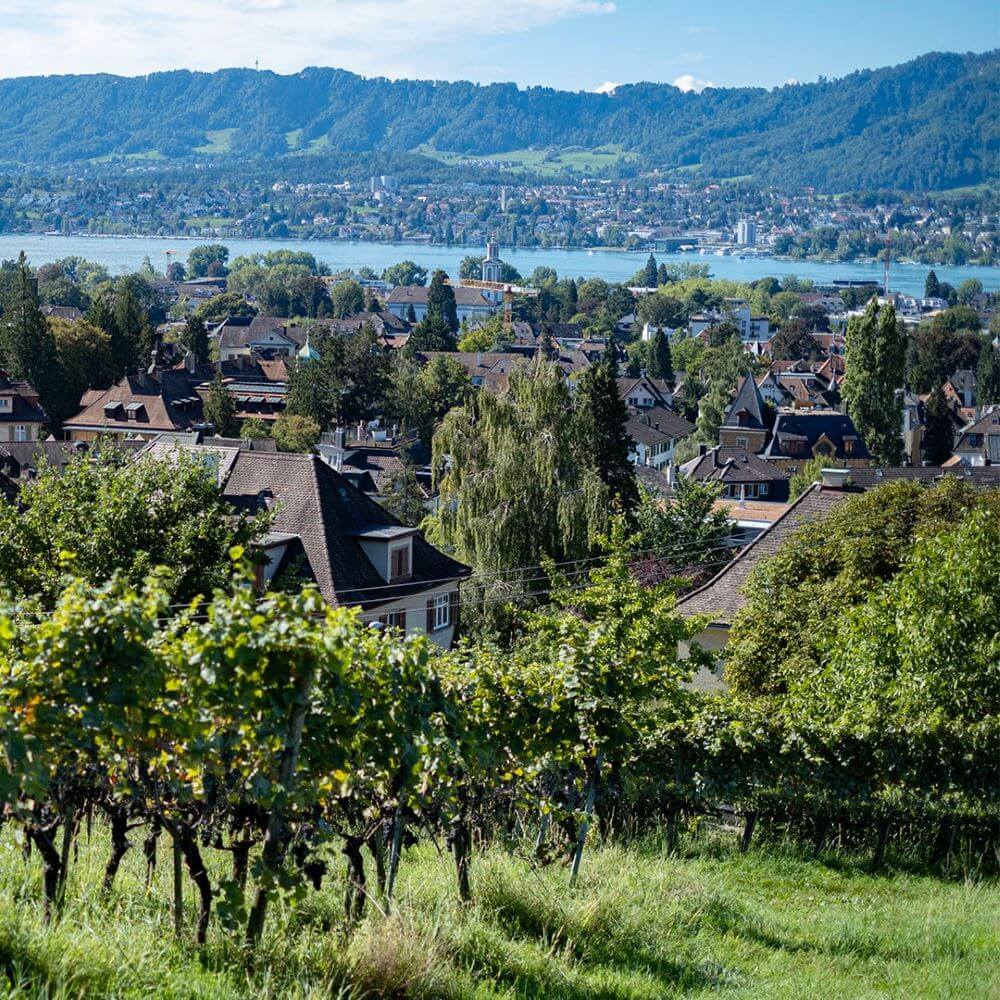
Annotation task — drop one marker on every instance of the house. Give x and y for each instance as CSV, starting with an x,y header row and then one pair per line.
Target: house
x,y
644,392
143,404
741,474
371,457
327,530
21,414
979,442
721,598
471,305
265,336
655,432
961,389
745,425
71,314
798,436
752,328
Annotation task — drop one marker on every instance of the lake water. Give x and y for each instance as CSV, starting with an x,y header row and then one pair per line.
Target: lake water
x,y
122,253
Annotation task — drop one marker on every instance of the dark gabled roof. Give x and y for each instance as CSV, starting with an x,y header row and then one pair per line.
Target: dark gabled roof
x,y
70,313
983,476
242,331
747,409
417,295
655,424
722,597
810,426
327,513
963,380
723,464
24,407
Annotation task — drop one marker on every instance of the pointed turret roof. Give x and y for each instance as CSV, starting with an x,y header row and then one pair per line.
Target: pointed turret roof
x,y
747,409
307,352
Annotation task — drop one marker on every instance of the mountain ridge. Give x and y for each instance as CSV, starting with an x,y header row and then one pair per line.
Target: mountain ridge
x,y
930,123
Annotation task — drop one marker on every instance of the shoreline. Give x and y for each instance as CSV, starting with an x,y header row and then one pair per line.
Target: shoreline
x,y
199,240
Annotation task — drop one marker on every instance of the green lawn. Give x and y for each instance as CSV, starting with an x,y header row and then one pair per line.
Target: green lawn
x,y
219,141
548,161
640,924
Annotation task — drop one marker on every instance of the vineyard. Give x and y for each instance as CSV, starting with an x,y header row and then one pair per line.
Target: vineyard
x,y
251,765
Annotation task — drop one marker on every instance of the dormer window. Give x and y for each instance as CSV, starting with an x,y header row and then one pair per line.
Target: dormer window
x,y
6,404
400,558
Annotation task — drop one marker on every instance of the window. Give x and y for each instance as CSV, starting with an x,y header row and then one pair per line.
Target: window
x,y
5,404
399,562
743,442
439,612
394,619
763,489
21,433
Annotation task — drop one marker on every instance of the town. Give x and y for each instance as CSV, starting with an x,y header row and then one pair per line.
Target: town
x,y
467,540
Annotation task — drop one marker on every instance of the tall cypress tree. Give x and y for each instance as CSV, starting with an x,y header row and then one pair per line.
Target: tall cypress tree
x,y
939,435
661,364
649,273
441,300
932,287
875,361
27,347
131,334
195,339
988,374
604,416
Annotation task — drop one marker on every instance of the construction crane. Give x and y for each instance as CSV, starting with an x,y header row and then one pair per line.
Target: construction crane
x,y
508,291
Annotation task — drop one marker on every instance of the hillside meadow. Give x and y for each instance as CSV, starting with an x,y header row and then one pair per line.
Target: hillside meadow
x,y
640,924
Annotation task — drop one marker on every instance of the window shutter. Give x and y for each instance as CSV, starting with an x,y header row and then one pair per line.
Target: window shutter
x,y
430,615
453,608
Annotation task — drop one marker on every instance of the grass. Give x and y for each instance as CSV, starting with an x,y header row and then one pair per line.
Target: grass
x,y
219,141
640,925
547,161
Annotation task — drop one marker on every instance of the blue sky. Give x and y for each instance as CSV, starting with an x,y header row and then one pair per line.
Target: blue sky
x,y
571,44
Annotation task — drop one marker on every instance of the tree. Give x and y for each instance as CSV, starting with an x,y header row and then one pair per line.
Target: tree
x,y
402,495
27,347
660,362
292,432
968,290
220,409
348,298
101,514
131,332
405,273
939,435
194,338
662,310
875,360
202,257
793,342
220,307
810,473
932,288
175,271
85,361
649,274
432,333
441,301
255,429
683,531
604,416
988,374
516,476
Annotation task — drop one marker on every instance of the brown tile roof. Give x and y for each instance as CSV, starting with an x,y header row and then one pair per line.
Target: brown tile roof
x,y
722,597
732,465
325,511
655,424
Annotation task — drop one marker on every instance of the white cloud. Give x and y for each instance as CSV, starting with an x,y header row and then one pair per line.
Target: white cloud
x,y
385,37
691,84
606,88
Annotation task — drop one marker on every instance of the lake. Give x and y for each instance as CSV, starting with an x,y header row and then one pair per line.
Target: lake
x,y
123,253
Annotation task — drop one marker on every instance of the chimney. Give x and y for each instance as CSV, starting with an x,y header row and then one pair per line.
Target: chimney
x,y
339,438
189,361
834,479
702,449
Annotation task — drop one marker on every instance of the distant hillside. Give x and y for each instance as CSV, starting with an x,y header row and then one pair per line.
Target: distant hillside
x,y
928,124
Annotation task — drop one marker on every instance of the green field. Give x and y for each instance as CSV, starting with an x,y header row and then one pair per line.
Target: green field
x,y
640,924
548,161
219,141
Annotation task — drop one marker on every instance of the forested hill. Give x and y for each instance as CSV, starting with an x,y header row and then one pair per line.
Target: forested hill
x,y
928,124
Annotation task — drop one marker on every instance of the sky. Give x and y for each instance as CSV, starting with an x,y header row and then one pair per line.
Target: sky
x,y
568,44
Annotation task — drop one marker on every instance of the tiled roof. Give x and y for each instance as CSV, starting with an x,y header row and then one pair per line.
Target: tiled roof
x,y
240,331
810,427
866,478
731,465
417,295
24,406
722,597
747,409
326,512
655,424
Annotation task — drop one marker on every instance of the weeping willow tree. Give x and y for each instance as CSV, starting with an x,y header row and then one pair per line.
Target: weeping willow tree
x,y
517,482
